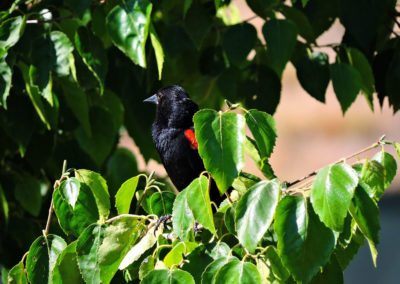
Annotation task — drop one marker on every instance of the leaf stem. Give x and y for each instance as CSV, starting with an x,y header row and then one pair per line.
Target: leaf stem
x,y
51,208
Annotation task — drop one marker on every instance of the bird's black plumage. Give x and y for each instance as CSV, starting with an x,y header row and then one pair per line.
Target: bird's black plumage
x,y
174,116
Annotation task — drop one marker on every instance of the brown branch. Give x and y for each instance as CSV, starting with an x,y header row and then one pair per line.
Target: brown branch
x,y
51,208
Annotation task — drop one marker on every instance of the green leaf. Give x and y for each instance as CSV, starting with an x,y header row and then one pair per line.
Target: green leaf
x,y
75,206
389,164
101,248
280,36
300,234
124,196
303,24
277,270
78,6
263,8
198,198
28,193
313,74
182,216
236,271
372,178
66,269
208,276
98,186
163,276
42,257
358,60
4,205
128,25
77,102
5,82
345,254
330,274
145,243
158,50
220,137
146,267
262,126
175,256
17,275
10,31
161,203
347,83
198,23
331,194
255,211
93,54
366,214
237,41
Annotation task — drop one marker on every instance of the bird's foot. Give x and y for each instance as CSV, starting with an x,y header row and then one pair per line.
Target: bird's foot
x,y
162,220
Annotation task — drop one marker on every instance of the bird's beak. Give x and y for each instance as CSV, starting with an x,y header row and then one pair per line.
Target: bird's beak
x,y
153,99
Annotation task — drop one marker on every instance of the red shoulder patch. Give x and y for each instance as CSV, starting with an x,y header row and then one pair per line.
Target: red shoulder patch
x,y
191,137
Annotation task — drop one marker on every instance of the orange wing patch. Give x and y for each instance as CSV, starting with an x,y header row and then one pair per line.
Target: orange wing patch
x,y
191,137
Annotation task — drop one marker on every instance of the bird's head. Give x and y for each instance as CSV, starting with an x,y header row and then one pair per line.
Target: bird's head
x,y
174,107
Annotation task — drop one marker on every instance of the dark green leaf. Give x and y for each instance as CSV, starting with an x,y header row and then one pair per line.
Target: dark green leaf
x,y
344,254
28,193
238,272
237,41
78,6
175,276
128,25
331,194
262,126
255,211
331,274
262,7
75,206
198,23
11,31
101,248
124,196
198,198
220,137
66,269
93,54
161,203
360,62
389,164
77,101
182,216
276,269
5,82
300,234
280,36
98,186
229,219
42,258
347,83
17,275
313,74
303,24
366,214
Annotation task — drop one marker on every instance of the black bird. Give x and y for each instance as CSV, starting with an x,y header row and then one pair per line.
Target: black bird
x,y
174,137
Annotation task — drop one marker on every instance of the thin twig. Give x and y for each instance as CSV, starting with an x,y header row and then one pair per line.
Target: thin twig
x,y
51,208
373,146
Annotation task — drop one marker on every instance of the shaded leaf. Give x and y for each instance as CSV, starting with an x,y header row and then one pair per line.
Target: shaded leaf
x,y
372,178
28,193
66,269
280,36
303,24
42,257
182,216
389,165
5,82
209,274
220,137
300,234
11,31
17,275
236,271
161,203
164,276
347,83
4,205
330,274
331,194
255,211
